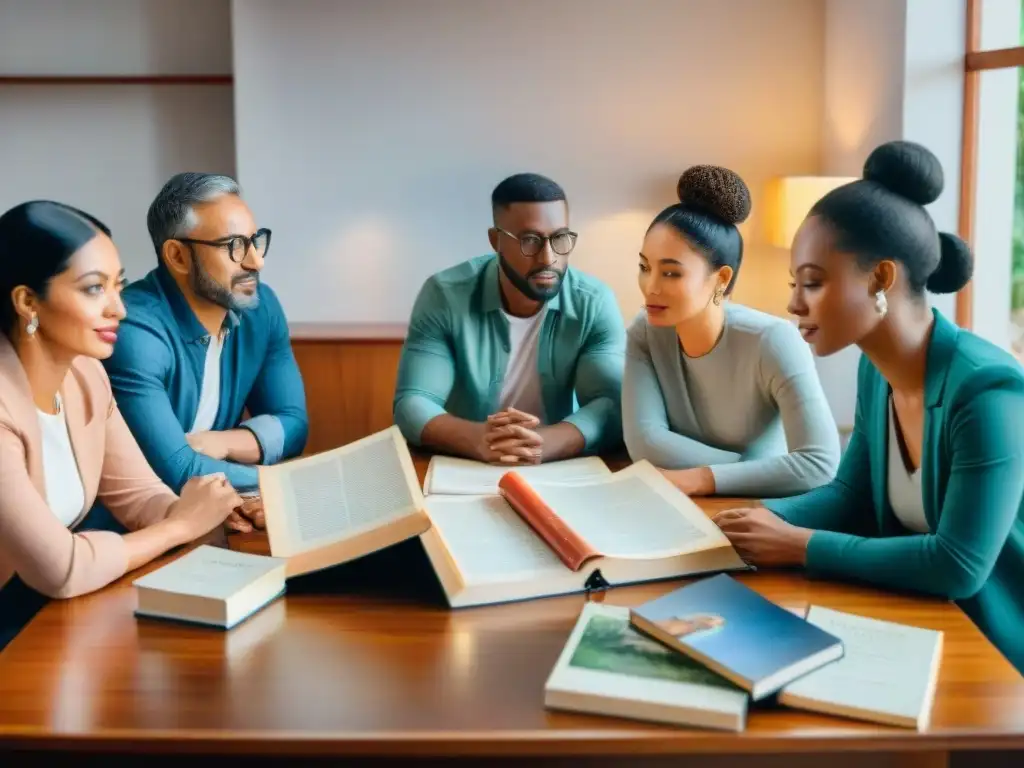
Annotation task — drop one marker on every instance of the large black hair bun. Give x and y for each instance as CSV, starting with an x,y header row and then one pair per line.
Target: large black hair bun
x,y
956,265
908,169
715,190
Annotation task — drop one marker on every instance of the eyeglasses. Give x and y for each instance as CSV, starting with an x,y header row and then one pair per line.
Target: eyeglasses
x,y
531,244
237,245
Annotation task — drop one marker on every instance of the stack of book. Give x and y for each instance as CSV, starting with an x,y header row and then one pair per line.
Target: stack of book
x,y
703,654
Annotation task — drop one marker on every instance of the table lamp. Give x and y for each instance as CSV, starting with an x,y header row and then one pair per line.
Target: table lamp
x,y
790,198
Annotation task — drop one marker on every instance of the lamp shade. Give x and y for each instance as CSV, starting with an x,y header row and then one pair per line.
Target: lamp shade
x,y
789,200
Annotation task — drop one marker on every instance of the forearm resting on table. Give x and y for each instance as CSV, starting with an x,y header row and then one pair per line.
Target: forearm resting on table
x,y
450,434
149,543
561,441
242,446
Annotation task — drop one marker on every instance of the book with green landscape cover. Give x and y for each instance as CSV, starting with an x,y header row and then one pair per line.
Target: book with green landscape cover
x,y
608,668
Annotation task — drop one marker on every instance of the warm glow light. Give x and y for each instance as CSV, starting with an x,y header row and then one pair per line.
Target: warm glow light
x,y
790,198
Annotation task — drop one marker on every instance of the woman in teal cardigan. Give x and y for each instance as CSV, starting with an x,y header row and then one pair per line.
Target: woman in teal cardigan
x,y
929,496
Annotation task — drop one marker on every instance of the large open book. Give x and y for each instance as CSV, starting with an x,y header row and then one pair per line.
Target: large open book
x,y
342,504
451,476
537,539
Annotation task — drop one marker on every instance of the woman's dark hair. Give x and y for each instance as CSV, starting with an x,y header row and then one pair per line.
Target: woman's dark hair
x,y
882,216
37,239
712,201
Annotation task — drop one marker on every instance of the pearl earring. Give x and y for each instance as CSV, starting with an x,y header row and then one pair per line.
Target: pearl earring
x,y
33,325
881,303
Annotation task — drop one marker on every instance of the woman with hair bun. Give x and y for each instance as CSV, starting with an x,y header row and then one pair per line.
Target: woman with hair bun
x,y
930,493
723,399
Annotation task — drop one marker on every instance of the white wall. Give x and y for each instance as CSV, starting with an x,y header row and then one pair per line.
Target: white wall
x,y
115,37
370,134
893,70
933,102
864,43
108,149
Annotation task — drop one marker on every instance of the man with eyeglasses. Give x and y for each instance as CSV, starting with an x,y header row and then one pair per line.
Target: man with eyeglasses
x,y
514,357
204,341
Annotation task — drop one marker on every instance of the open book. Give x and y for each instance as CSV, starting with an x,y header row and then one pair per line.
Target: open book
x,y
450,476
537,539
342,504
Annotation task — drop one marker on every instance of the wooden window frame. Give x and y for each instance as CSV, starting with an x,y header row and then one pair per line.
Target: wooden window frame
x,y
975,62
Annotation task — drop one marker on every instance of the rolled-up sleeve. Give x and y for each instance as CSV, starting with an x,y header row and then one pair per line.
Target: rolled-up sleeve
x,y
277,401
598,381
426,368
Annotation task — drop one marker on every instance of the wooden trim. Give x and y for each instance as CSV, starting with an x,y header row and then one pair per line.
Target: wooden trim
x,y
1002,58
116,79
349,332
969,158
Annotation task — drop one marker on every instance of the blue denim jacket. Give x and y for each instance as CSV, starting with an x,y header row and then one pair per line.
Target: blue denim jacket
x,y
156,373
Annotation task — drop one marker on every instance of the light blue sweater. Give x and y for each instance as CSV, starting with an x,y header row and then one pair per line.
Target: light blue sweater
x,y
752,409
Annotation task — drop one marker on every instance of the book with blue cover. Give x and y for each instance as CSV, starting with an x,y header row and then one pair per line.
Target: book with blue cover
x,y
734,631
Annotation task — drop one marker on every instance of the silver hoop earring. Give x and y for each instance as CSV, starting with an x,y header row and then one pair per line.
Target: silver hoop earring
x,y
33,325
881,303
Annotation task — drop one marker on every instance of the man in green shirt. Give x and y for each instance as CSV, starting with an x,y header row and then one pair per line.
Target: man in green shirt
x,y
514,357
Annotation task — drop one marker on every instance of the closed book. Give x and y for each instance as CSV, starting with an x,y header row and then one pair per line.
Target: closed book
x,y
211,586
887,675
608,668
734,631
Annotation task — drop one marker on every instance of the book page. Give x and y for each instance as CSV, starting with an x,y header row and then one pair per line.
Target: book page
x,y
886,667
487,539
635,513
570,547
321,499
452,476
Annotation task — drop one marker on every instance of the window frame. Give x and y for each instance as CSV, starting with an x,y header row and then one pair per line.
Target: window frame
x,y
975,62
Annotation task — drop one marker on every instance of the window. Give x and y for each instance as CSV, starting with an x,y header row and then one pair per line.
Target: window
x,y
992,177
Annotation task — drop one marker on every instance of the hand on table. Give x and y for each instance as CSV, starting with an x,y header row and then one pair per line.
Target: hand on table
x,y
698,481
510,437
203,504
248,516
762,538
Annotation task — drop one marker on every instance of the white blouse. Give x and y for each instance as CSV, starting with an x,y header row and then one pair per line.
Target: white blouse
x,y
904,489
64,490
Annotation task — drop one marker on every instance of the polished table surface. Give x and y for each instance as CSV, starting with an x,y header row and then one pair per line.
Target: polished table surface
x,y
367,659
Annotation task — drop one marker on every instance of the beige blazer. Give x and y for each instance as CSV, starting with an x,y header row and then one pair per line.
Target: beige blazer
x,y
33,543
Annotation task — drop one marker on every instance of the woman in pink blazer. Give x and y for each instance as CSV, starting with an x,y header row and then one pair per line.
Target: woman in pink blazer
x,y
63,443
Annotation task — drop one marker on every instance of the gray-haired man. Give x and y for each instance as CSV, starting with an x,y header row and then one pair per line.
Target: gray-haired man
x,y
204,341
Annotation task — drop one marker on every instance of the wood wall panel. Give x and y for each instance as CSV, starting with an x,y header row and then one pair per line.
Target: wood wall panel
x,y
349,387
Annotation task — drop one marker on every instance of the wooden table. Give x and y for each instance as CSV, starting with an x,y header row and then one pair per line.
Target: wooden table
x,y
367,660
